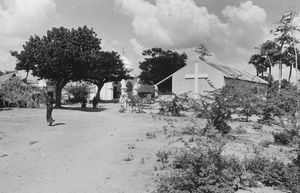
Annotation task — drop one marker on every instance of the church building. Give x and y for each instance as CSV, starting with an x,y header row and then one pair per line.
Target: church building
x,y
197,78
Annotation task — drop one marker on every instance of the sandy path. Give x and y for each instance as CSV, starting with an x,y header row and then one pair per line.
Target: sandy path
x,y
85,154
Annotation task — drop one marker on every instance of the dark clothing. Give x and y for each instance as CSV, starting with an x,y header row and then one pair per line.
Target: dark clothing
x,y
49,103
49,113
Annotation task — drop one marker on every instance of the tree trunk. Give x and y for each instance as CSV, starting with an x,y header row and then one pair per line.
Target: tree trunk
x,y
27,73
280,76
99,86
290,74
270,74
59,86
97,97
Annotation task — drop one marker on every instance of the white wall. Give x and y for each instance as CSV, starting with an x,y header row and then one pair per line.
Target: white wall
x,y
181,85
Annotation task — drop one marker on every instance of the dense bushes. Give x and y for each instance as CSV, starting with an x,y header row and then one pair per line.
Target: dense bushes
x,y
274,173
202,169
15,92
173,106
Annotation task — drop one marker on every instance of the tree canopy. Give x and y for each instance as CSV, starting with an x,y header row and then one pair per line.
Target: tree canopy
x,y
281,50
107,68
62,55
159,64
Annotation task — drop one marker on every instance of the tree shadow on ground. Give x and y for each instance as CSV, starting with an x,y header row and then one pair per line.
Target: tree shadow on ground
x,y
84,109
5,109
56,124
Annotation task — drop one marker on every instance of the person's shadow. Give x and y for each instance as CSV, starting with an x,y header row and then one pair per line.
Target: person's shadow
x,y
57,124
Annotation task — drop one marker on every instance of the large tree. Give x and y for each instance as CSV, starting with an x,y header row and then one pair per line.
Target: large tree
x,y
267,56
62,55
288,58
286,41
107,68
159,64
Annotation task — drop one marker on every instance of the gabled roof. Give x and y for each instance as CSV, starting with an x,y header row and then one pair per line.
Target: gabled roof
x,y
230,72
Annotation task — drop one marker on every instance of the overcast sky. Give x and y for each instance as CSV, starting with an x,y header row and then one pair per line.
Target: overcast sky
x,y
230,28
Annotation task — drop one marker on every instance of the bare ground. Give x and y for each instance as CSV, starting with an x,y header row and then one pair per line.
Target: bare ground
x,y
88,152
101,152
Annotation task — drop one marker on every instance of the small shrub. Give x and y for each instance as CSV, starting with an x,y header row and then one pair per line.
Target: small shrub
x,y
283,138
131,146
163,157
136,103
150,135
128,158
173,107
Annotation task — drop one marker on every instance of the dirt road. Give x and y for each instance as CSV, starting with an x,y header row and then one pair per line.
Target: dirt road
x,y
85,152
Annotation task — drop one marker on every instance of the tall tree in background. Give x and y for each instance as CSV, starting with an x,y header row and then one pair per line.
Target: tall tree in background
x,y
107,68
62,55
284,38
288,58
258,61
159,63
202,52
266,58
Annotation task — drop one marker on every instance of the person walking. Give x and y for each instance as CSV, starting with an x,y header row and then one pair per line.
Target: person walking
x,y
49,103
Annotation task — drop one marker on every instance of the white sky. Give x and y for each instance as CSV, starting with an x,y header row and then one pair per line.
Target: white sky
x,y
230,28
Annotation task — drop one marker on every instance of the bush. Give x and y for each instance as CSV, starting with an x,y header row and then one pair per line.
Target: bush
x,y
79,91
15,92
270,173
136,103
172,107
202,169
285,137
218,111
280,104
274,173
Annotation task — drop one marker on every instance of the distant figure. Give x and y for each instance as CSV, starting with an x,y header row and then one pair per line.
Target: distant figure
x,y
95,102
123,101
83,105
49,103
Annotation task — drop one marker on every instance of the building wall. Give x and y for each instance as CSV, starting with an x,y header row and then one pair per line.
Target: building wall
x,y
106,92
181,85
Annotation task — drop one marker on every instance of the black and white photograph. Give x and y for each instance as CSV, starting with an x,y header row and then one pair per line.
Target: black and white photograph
x,y
149,96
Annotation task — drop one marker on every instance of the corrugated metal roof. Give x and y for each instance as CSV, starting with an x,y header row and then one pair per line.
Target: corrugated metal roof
x,y
234,73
